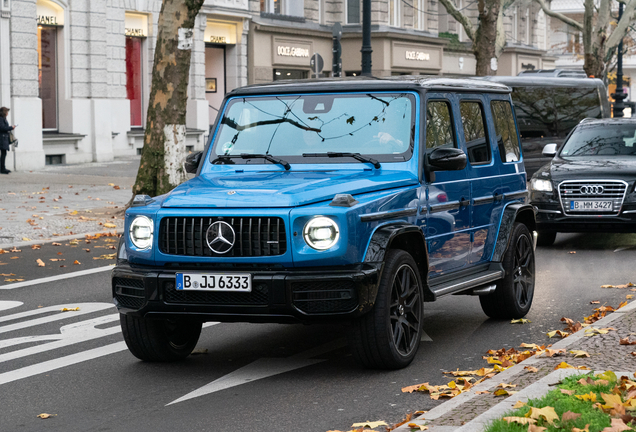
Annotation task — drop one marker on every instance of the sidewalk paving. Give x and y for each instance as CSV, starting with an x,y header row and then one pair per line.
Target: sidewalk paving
x,y
472,412
63,200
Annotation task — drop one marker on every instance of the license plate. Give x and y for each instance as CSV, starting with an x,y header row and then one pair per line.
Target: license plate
x,y
227,282
600,206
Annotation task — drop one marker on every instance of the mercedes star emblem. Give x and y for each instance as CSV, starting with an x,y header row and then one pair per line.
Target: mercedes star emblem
x,y
220,237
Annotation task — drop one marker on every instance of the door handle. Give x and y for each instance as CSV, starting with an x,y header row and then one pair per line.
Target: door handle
x,y
464,202
498,196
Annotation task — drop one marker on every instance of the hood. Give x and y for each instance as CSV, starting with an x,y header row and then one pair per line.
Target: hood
x,y
593,167
281,188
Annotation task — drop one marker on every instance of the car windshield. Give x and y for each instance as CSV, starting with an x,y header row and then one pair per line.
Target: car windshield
x,y
379,125
553,111
605,140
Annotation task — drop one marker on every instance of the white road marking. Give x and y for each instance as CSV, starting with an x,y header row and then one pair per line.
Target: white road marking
x,y
70,334
263,368
4,305
61,362
425,337
55,278
85,308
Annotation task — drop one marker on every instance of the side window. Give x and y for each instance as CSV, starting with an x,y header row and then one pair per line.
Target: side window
x,y
439,127
473,121
506,130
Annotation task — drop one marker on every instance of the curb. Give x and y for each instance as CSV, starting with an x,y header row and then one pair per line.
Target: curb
x,y
56,239
507,375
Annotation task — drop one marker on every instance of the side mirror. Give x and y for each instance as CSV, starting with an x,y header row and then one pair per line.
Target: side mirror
x,y
192,161
447,159
550,150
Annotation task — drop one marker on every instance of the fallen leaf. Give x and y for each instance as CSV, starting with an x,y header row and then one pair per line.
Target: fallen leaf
x,y
110,225
572,252
586,429
617,425
26,239
567,392
547,412
504,385
519,404
520,420
629,296
56,244
535,428
502,392
559,333
626,341
45,415
369,424
531,369
57,259
14,258
520,321
40,263
579,353
595,302
591,396
76,262
482,392
14,280
69,309
7,274
569,415
417,426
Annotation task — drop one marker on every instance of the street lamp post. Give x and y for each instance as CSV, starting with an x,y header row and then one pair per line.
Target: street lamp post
x,y
619,95
366,38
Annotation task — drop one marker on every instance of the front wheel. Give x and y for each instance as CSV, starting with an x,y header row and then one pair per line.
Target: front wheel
x,y
513,296
160,340
388,337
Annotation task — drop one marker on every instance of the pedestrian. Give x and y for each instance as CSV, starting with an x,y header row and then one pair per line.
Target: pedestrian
x,y
4,138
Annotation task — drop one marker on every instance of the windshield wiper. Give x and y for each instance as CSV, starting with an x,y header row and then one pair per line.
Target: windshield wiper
x,y
272,159
356,156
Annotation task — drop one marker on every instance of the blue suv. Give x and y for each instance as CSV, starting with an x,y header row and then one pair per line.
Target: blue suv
x,y
354,200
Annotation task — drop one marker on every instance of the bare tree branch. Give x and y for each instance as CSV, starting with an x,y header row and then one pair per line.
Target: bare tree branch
x,y
460,17
623,25
569,21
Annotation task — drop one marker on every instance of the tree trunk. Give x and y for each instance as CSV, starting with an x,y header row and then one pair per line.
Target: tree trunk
x,y
485,43
161,169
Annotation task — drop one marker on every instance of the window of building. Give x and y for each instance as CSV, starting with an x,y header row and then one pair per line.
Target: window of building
x,y
271,6
419,14
474,126
506,131
134,81
285,74
54,159
439,126
394,13
47,75
353,12
283,7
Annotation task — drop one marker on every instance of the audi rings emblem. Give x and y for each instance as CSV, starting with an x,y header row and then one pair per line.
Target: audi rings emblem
x,y
592,190
220,237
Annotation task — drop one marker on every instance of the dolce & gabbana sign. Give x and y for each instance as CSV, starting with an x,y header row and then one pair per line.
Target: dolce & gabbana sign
x,y
416,56
291,52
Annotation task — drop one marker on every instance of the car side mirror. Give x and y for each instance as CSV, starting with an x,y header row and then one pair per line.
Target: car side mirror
x,y
550,150
192,161
447,159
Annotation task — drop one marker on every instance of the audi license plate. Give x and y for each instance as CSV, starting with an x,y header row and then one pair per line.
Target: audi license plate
x,y
226,282
601,206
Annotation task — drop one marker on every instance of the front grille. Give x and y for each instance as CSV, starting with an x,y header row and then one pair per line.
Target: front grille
x,y
258,297
254,236
129,292
612,190
316,297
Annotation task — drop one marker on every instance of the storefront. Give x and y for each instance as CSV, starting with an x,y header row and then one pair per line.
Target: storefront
x,y
514,60
50,21
136,33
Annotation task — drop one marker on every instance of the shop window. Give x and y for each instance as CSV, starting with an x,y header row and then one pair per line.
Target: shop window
x,y
134,80
47,75
285,74
353,12
474,126
54,159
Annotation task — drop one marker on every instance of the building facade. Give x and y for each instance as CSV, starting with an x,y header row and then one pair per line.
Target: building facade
x,y
76,73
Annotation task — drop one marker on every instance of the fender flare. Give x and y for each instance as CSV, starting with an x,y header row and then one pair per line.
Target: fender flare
x,y
405,236
513,212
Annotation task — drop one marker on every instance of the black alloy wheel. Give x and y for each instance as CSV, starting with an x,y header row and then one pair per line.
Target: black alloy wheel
x,y
514,293
389,335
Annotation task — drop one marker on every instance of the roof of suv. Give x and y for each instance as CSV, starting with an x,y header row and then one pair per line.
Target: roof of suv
x,y
533,80
372,83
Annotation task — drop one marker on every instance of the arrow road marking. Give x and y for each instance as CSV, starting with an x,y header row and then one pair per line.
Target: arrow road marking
x,y
55,278
264,368
6,304
84,308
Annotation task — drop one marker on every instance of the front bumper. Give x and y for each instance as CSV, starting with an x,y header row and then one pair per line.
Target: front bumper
x,y
279,296
551,218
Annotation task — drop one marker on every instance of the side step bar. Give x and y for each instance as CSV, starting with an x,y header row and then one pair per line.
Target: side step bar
x,y
468,282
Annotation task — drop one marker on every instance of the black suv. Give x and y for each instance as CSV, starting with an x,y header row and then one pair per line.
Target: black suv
x,y
353,200
589,184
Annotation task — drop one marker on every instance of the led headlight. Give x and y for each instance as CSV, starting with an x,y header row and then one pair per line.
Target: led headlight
x,y
141,230
321,233
541,185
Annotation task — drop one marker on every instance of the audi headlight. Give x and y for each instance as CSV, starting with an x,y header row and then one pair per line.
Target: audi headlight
x,y
321,233
541,185
141,230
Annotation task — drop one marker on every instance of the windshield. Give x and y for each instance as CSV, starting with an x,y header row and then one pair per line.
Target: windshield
x,y
553,111
378,125
606,140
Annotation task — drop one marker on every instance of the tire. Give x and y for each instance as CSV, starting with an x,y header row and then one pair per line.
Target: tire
x,y
513,296
389,335
546,238
160,340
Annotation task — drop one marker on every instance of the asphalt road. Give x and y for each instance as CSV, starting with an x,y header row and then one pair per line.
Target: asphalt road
x,y
253,377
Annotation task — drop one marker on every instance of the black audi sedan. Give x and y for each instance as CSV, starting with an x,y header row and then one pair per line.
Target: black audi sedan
x,y
589,186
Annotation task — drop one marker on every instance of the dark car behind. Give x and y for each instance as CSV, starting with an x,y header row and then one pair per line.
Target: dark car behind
x,y
548,108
